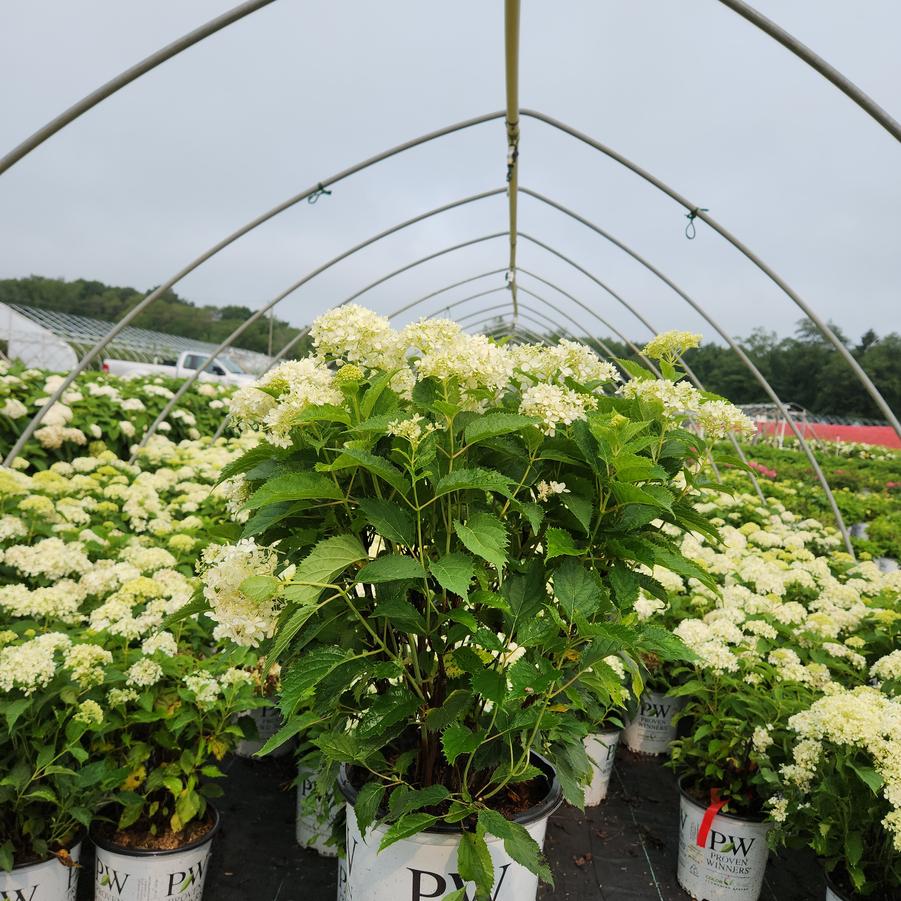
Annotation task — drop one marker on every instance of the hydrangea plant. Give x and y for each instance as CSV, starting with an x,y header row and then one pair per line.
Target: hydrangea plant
x,y
443,539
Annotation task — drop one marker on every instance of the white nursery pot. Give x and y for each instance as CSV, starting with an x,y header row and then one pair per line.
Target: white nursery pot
x,y
342,880
834,893
425,865
49,880
887,564
652,730
130,874
732,861
601,749
268,721
314,824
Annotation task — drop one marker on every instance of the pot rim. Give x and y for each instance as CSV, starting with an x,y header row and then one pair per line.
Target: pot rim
x,y
113,848
757,818
544,808
82,835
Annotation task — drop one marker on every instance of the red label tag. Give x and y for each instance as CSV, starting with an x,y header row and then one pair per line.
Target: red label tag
x,y
707,822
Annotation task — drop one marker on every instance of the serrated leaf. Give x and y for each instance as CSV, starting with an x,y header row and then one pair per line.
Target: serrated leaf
x,y
534,513
390,520
458,739
869,777
366,807
453,707
485,536
474,479
474,862
495,424
305,674
294,486
580,507
664,644
559,543
490,683
454,572
517,843
576,590
390,568
627,493
406,800
411,824
352,457
401,614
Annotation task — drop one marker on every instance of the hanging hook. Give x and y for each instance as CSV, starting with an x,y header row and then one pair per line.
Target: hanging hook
x,y
319,192
690,232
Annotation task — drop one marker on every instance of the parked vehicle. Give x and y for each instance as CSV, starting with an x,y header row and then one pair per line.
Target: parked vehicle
x,y
222,369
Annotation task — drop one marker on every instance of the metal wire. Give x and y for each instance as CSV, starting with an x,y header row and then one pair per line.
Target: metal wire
x,y
700,213
818,64
225,344
129,75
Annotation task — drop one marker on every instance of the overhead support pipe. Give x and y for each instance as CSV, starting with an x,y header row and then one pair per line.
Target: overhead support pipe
x,y
85,361
511,57
818,64
127,77
699,213
224,345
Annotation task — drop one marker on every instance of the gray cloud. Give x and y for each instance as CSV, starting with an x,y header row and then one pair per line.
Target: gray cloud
x,y
298,91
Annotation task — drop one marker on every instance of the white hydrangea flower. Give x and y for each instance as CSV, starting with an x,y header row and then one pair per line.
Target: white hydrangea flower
x,y
671,345
144,673
86,662
554,405
204,687
160,643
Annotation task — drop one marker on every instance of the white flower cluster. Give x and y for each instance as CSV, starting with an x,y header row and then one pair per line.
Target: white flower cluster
x,y
671,345
245,620
554,405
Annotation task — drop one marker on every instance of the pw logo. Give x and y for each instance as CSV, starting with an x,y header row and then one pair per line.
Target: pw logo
x,y
18,894
109,878
179,883
655,710
438,886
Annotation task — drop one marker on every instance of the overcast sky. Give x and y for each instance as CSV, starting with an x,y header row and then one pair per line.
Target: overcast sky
x,y
299,90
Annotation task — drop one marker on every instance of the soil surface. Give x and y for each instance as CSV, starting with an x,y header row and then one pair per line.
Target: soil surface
x,y
623,850
144,840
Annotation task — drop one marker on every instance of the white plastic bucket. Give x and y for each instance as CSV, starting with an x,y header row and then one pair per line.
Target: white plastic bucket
x,y
342,879
314,821
601,749
125,874
49,880
834,893
268,721
887,564
652,730
424,866
730,864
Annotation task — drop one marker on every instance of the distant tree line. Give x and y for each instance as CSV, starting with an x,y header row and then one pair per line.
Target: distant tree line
x,y
169,313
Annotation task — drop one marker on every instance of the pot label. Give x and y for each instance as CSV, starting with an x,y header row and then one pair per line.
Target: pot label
x,y
425,867
268,721
652,730
314,822
47,881
601,749
731,862
180,875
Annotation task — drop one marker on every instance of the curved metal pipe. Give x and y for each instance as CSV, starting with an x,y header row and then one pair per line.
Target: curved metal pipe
x,y
511,78
536,318
224,345
818,64
749,365
698,213
514,329
127,77
216,248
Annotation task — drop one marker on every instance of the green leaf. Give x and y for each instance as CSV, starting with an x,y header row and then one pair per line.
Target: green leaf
x,y
390,568
406,800
634,369
576,590
6,856
260,588
665,645
389,520
559,543
294,726
366,807
454,572
627,493
517,843
401,614
295,486
534,513
14,709
307,672
485,536
329,558
474,479
460,894
254,457
411,824
353,456
474,862
869,777
453,707
458,739
490,683
580,507
495,424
